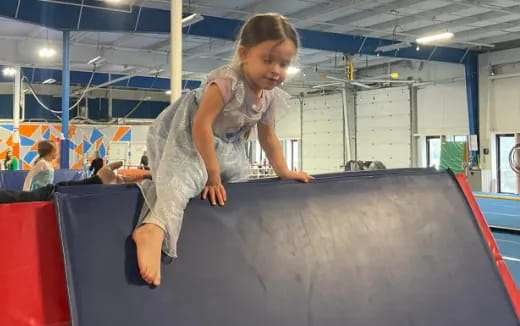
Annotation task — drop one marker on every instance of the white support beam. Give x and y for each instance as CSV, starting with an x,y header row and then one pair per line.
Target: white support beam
x,y
176,50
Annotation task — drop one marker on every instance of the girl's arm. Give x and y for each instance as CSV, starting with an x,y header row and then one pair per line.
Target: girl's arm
x,y
202,131
273,149
37,168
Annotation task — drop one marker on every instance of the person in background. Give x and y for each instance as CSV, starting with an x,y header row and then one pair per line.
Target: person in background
x,y
144,162
96,164
42,173
11,162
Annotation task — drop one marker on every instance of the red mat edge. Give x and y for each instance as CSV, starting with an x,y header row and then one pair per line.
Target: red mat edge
x,y
486,231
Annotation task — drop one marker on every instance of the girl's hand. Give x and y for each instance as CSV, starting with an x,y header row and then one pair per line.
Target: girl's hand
x,y
215,190
297,175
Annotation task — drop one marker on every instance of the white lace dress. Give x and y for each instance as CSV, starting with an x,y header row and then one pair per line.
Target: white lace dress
x,y
178,170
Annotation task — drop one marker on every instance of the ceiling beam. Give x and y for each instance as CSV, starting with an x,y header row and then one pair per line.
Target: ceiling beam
x,y
383,9
402,20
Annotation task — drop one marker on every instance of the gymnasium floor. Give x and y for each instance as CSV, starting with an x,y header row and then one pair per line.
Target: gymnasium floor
x,y
502,213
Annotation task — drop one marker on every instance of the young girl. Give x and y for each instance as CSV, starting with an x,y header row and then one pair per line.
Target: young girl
x,y
197,144
42,172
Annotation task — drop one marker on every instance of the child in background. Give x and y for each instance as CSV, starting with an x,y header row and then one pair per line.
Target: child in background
x,y
42,172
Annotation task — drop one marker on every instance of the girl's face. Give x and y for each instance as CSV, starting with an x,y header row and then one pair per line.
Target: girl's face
x,y
54,154
265,65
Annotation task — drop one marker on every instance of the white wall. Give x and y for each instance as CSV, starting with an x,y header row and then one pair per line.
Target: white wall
x,y
442,109
499,102
384,126
323,140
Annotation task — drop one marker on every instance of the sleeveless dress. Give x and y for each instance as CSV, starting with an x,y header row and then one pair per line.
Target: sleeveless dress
x,y
178,171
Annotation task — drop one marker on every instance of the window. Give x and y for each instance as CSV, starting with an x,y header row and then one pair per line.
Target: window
x,y
457,138
433,151
290,147
292,153
507,179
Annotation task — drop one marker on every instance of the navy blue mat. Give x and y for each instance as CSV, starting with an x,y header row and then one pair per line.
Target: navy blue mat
x,y
13,180
379,248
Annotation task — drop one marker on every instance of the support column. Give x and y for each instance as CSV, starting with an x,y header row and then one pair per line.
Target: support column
x,y
16,116
176,50
471,69
65,103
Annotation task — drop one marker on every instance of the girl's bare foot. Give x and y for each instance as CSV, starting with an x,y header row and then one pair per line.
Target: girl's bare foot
x,y
149,238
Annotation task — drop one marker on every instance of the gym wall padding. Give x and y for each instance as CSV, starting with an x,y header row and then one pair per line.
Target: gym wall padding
x,y
13,180
32,275
395,247
453,156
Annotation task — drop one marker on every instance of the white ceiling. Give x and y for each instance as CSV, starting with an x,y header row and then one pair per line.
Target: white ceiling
x,y
475,24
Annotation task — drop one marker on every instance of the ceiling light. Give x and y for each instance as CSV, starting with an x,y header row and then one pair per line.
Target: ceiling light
x,y
435,38
192,19
96,60
46,52
394,46
114,2
9,71
168,92
293,70
418,48
49,81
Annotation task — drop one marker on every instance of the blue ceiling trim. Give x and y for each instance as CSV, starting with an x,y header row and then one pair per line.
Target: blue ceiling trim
x,y
151,20
37,76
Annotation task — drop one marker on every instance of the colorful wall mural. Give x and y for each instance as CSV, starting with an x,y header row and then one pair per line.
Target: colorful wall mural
x,y
85,140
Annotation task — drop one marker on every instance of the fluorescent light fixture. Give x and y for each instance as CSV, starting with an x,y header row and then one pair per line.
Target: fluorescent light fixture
x,y
393,47
9,71
168,92
49,81
293,70
96,60
156,71
46,52
192,19
435,38
114,2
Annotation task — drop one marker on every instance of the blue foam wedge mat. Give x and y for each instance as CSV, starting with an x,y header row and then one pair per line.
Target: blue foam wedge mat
x,y
373,248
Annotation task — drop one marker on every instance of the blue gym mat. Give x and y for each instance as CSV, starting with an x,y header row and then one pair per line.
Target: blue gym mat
x,y
501,212
13,180
397,247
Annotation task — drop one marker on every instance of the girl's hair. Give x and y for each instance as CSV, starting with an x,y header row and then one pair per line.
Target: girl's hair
x,y
45,147
266,27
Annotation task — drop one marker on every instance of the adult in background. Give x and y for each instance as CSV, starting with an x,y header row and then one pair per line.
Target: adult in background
x,y
96,164
11,162
144,162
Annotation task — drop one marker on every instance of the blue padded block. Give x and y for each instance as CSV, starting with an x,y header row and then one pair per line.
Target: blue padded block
x,y
13,180
501,212
381,248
